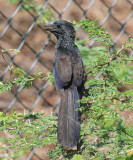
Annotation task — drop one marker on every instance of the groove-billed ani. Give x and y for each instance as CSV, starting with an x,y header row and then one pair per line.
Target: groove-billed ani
x,y
68,75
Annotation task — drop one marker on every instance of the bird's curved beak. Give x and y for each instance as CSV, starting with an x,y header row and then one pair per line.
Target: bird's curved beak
x,y
49,26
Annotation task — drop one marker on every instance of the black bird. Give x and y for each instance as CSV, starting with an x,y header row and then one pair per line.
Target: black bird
x,y
68,74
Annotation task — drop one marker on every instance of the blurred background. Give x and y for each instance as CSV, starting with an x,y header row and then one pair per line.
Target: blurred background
x,y
22,28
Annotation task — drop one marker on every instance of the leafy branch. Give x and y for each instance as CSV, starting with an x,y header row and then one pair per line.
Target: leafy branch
x,y
26,129
33,6
11,67
22,79
114,57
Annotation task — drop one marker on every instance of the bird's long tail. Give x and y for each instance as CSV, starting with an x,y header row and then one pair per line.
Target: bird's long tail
x,y
69,119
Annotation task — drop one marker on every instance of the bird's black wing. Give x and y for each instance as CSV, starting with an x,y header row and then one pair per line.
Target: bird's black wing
x,y
62,70
78,70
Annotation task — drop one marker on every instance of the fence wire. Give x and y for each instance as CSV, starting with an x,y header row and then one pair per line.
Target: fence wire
x,y
25,39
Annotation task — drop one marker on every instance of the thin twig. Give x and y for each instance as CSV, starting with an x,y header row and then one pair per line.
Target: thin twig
x,y
111,59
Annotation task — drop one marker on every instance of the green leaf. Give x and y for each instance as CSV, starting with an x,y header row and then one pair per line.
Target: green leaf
x,y
119,158
5,86
12,1
77,157
38,73
19,71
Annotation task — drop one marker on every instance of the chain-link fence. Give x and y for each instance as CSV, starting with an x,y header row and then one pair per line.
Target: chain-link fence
x,y
19,30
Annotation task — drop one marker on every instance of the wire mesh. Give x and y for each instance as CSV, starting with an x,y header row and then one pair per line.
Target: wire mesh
x,y
37,46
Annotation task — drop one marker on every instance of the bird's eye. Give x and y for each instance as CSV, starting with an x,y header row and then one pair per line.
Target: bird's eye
x,y
58,26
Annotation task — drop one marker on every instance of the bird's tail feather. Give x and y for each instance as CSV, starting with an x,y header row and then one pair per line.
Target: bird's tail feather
x,y
69,119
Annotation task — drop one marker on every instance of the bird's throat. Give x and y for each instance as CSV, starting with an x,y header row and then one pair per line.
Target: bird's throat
x,y
65,42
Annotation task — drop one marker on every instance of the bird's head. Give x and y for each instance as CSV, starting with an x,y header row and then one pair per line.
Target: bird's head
x,y
61,28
